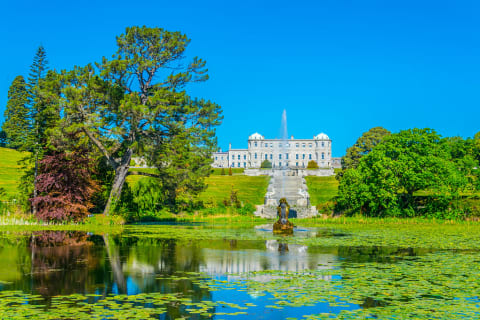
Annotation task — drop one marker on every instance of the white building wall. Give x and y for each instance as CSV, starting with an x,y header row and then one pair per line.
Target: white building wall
x,y
293,153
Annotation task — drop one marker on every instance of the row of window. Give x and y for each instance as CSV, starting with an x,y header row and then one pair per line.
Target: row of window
x,y
239,165
297,156
280,144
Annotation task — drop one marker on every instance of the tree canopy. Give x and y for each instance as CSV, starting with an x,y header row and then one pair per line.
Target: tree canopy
x,y
387,179
17,126
136,103
367,141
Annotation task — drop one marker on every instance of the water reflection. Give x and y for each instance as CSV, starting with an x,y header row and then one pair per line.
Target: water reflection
x,y
54,263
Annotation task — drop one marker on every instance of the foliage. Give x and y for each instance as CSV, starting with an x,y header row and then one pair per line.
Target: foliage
x,y
3,139
148,195
312,164
223,171
266,164
145,114
367,141
230,171
386,179
17,126
65,186
232,200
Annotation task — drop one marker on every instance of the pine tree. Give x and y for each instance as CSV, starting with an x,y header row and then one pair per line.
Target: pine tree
x,y
17,126
37,105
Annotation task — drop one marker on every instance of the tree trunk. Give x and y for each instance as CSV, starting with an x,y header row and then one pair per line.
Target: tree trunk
x,y
121,172
116,265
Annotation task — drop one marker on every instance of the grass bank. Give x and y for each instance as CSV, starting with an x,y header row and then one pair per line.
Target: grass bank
x,y
10,171
321,189
219,187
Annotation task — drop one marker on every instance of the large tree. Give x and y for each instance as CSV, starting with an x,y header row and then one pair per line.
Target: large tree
x,y
386,180
367,141
17,125
137,104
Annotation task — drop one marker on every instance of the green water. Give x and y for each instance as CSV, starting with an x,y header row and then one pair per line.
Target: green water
x,y
205,271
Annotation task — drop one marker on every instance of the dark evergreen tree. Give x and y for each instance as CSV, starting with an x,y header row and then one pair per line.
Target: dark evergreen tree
x,y
37,107
3,139
17,125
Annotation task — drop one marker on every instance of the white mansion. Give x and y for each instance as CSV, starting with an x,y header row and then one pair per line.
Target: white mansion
x,y
292,153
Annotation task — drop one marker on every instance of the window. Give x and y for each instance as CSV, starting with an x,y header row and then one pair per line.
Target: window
x,y
280,145
279,164
297,145
286,156
255,144
233,165
271,156
287,145
216,158
309,145
280,156
255,156
323,155
296,156
310,156
244,164
271,145
323,144
303,145
303,156
233,157
266,156
238,157
296,164
238,165
244,157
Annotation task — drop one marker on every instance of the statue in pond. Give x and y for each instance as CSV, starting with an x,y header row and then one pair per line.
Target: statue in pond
x,y
283,226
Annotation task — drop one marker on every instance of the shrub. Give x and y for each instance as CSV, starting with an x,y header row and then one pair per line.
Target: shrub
x,y
312,165
65,186
266,164
230,171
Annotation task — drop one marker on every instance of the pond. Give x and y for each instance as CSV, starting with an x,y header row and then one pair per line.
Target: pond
x,y
207,271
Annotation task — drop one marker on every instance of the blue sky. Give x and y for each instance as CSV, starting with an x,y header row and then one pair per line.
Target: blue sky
x,y
336,66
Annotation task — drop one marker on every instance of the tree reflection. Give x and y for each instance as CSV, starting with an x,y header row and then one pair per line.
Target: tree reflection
x,y
60,262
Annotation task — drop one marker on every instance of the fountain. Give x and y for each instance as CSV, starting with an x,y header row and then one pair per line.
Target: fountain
x,y
283,226
286,184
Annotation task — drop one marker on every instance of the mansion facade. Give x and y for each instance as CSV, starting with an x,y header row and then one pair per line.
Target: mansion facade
x,y
282,153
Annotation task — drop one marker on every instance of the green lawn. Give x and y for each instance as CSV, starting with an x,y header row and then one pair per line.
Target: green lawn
x,y
250,189
10,171
321,189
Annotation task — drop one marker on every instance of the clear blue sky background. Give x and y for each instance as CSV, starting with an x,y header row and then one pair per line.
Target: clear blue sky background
x,y
336,66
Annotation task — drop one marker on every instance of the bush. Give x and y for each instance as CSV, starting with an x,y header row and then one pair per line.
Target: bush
x,y
266,164
312,165
247,209
230,171
65,186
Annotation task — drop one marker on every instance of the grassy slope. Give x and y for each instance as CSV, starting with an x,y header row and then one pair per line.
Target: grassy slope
x,y
10,171
321,189
250,189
